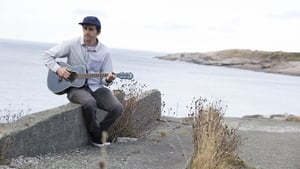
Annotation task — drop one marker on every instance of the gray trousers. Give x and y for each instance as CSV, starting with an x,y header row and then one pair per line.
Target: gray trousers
x,y
103,99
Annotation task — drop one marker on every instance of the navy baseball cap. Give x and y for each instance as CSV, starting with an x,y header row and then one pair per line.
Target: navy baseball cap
x,y
91,20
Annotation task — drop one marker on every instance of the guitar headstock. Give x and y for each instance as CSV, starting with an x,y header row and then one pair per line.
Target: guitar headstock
x,y
125,75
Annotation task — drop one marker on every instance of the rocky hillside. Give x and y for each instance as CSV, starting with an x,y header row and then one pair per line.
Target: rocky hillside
x,y
273,62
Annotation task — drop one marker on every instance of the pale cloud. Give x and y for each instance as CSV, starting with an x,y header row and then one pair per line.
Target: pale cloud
x,y
170,26
286,15
79,11
160,25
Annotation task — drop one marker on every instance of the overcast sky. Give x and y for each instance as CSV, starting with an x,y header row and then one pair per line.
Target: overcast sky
x,y
160,25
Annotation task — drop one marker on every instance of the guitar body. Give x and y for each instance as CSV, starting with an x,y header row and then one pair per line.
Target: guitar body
x,y
59,85
77,78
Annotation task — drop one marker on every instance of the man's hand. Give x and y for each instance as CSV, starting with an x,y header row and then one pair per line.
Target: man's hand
x,y
111,76
63,72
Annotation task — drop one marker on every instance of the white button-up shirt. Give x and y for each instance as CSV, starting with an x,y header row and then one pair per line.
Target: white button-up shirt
x,y
97,60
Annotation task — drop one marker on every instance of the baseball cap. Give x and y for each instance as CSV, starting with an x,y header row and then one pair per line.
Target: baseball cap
x,y
92,20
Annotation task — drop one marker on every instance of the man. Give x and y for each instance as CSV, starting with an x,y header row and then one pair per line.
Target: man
x,y
89,51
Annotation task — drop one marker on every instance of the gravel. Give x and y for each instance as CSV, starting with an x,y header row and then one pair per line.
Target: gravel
x,y
267,144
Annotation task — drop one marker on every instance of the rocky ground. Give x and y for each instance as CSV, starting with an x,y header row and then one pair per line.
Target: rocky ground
x,y
266,144
272,62
168,145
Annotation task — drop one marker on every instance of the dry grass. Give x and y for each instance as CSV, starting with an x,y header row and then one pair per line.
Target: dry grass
x,y
279,117
215,144
261,55
293,118
127,126
124,127
11,114
4,147
103,161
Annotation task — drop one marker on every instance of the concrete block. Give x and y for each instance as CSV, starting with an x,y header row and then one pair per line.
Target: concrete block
x,y
53,130
147,111
63,128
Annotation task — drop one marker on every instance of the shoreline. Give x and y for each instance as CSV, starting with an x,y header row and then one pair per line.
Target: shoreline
x,y
261,61
282,63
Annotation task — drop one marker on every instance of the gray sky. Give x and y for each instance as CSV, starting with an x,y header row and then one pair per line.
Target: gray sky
x,y
160,25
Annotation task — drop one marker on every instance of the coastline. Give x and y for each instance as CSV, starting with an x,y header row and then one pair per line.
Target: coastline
x,y
262,61
276,62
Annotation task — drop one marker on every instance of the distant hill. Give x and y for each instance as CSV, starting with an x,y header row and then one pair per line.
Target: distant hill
x,y
265,61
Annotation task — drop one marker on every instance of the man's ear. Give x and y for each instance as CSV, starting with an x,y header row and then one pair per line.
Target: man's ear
x,y
99,33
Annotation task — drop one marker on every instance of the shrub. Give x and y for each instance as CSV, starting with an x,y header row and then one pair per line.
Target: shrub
x,y
125,126
293,118
214,142
4,147
9,114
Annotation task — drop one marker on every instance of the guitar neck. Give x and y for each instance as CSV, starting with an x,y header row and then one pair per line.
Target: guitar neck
x,y
91,75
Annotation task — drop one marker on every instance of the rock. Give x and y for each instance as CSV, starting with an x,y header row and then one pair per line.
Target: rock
x,y
126,139
271,62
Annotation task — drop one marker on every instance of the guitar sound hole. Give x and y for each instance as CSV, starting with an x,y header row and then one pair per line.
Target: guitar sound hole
x,y
72,77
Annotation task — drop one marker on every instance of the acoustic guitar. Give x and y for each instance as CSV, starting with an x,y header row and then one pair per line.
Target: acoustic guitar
x,y
77,78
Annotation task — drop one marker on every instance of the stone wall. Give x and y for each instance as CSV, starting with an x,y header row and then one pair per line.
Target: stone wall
x,y
62,128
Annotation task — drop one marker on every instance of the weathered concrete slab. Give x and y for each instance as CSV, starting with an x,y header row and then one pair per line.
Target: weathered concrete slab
x,y
173,150
60,129
53,130
146,111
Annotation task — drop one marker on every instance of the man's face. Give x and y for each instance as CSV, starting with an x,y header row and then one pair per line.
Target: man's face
x,y
89,32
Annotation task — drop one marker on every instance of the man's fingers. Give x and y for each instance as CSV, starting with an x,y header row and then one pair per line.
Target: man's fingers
x,y
112,76
64,72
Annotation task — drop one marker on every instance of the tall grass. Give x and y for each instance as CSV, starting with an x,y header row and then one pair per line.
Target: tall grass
x,y
4,147
9,115
126,126
103,161
293,118
215,144
13,113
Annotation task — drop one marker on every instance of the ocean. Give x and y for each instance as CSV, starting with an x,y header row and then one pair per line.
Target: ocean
x,y
242,92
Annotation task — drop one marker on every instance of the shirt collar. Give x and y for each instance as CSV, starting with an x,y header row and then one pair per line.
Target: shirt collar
x,y
82,43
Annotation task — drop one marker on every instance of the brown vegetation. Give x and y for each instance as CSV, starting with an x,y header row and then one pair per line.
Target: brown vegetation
x,y
280,117
103,161
256,54
4,148
215,144
265,61
128,125
293,118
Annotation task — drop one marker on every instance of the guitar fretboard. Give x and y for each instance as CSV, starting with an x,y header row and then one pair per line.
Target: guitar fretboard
x,y
91,75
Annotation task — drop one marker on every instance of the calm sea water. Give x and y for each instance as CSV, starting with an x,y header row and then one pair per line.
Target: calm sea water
x,y
23,83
